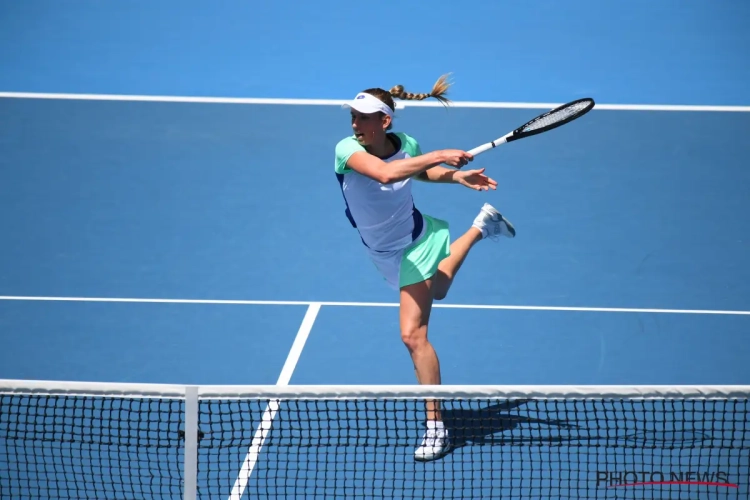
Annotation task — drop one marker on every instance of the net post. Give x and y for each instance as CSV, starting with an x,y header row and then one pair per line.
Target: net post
x,y
190,472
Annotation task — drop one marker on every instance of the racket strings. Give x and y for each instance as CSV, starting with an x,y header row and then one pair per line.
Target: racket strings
x,y
560,115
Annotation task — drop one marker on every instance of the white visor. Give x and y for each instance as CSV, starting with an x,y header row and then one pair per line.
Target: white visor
x,y
366,103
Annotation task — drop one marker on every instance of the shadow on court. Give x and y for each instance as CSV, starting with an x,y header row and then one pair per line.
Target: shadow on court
x,y
493,425
487,425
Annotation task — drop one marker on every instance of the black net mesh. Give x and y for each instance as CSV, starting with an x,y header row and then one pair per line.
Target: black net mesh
x,y
90,447
572,448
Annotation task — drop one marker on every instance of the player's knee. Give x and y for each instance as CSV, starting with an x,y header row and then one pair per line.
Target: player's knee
x,y
440,294
414,336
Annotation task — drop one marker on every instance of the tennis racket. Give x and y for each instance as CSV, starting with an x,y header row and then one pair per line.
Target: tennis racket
x,y
542,123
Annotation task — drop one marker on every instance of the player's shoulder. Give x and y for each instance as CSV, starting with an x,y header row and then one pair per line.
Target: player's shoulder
x,y
406,138
345,148
346,140
409,143
347,145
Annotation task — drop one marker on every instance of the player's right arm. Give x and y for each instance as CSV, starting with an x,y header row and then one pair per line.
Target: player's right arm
x,y
398,170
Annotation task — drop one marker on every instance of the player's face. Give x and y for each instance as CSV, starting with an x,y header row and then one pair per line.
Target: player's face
x,y
369,128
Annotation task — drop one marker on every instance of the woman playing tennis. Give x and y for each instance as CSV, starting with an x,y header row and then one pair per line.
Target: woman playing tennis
x,y
411,250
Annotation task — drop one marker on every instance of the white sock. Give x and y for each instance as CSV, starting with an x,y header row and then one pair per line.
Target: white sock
x,y
435,424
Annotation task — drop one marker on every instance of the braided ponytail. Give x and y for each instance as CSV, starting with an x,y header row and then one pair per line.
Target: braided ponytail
x,y
438,92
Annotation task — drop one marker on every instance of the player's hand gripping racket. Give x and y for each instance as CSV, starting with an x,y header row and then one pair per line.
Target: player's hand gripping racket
x,y
542,123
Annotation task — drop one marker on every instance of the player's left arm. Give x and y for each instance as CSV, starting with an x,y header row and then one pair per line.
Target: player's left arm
x,y
472,179
438,174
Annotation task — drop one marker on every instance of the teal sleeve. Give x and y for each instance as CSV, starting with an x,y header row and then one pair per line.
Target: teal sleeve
x,y
345,149
410,145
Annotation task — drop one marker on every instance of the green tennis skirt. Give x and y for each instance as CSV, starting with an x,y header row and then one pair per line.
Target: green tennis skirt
x,y
417,262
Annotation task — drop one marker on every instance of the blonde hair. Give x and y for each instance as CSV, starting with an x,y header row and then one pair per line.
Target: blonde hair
x,y
439,90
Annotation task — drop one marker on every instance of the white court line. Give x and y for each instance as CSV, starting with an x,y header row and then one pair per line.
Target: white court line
x,y
375,304
270,412
338,102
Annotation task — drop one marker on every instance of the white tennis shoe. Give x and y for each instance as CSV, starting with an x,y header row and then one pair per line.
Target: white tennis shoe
x,y
493,224
435,443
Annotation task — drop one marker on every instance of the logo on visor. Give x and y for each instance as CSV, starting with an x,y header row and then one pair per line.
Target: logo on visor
x,y
360,96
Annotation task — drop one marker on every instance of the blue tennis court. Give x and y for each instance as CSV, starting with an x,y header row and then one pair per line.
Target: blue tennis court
x,y
177,246
166,241
180,201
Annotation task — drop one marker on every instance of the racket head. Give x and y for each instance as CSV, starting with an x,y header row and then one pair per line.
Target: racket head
x,y
554,118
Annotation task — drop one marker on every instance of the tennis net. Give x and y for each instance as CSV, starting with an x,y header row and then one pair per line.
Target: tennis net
x,y
95,440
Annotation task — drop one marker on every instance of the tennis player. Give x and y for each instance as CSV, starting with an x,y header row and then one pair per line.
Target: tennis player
x,y
412,251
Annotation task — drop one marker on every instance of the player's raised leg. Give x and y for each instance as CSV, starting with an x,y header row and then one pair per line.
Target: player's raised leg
x,y
488,223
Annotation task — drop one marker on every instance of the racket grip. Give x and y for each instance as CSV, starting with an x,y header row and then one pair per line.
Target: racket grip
x,y
480,149
484,147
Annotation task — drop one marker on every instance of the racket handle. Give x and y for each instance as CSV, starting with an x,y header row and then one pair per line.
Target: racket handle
x,y
484,147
